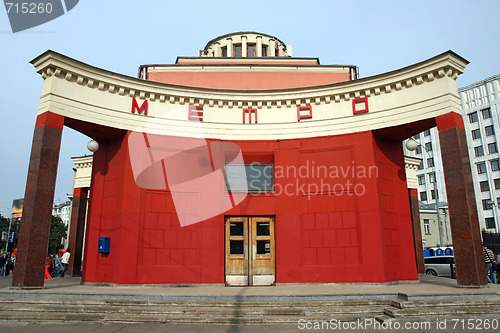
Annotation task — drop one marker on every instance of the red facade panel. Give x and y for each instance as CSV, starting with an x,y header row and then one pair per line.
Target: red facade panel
x,y
340,206
244,80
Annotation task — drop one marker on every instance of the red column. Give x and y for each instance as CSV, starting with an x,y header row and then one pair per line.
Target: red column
x,y
464,222
417,232
76,230
38,199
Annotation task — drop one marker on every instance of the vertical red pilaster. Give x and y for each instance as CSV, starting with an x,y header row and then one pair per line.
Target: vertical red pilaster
x,y
76,230
417,231
461,202
38,200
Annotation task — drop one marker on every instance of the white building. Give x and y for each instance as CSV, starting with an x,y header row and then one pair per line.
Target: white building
x,y
63,210
480,104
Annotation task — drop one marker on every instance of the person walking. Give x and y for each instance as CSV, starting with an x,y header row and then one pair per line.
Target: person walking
x,y
49,265
3,262
65,261
488,260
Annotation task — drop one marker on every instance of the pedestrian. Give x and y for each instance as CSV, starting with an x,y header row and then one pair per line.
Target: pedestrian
x,y
49,266
3,261
9,265
488,260
65,261
496,267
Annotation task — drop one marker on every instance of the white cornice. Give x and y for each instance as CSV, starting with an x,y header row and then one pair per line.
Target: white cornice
x,y
51,63
421,91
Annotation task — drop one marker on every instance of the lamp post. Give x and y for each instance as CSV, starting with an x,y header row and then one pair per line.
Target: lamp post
x,y
8,233
411,145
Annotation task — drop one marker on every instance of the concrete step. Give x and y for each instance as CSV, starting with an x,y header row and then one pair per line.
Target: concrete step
x,y
486,322
247,310
165,318
196,304
441,311
401,304
65,308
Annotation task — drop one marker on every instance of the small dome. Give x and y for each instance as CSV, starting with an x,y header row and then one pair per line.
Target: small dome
x,y
246,44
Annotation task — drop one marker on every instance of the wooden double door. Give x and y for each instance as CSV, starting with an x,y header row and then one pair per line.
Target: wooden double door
x,y
250,251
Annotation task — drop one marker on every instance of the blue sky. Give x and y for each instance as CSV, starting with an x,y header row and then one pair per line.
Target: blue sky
x,y
119,35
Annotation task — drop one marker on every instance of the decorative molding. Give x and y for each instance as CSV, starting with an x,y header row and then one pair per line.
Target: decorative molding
x,y
82,90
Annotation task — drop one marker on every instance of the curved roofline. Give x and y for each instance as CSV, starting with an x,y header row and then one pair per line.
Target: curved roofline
x,y
240,33
50,53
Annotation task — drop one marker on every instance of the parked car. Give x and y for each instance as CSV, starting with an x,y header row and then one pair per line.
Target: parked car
x,y
440,266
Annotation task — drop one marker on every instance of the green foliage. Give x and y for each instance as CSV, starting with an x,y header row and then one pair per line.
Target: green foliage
x,y
57,231
4,226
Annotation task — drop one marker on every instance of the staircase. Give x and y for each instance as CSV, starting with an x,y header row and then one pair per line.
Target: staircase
x,y
455,311
381,308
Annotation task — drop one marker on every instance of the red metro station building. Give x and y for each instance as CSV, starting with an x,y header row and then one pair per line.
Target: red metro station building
x,y
247,166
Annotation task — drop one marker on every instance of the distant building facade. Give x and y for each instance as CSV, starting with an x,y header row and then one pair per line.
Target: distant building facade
x,y
480,104
63,210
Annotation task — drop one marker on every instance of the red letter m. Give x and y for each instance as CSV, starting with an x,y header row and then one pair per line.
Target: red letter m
x,y
144,106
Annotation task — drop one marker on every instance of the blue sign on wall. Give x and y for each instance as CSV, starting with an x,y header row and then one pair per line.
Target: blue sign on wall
x,y
104,243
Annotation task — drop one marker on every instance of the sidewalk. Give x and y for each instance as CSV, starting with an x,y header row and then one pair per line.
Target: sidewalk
x,y
429,286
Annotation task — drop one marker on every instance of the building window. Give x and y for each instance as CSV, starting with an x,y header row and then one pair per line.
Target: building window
x,y
492,148
423,196
432,177
224,51
427,227
486,113
430,162
427,132
251,50
417,136
421,165
476,134
264,50
490,223
433,194
489,130
254,177
481,168
237,50
478,151
495,165
497,184
473,117
428,146
419,149
485,187
487,204
421,180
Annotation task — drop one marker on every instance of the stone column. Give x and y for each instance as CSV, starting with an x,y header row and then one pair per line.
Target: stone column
x,y
217,50
230,47
271,50
417,231
464,222
244,52
259,47
38,201
77,229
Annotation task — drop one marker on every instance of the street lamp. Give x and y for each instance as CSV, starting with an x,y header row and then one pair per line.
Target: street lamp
x,y
93,146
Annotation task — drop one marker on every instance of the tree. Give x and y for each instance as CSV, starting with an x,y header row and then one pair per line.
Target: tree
x,y
57,232
4,227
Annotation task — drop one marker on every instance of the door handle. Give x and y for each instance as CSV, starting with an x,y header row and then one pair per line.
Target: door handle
x,y
246,252
254,252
